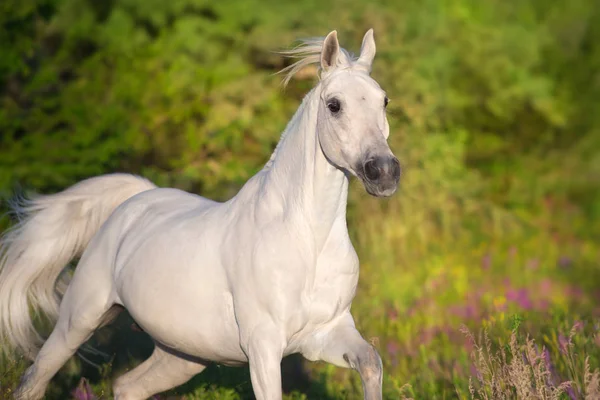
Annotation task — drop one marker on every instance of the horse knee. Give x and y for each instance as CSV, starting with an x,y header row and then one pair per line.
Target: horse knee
x,y
123,391
369,365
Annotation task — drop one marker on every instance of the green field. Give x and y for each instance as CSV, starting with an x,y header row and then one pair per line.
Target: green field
x,y
479,279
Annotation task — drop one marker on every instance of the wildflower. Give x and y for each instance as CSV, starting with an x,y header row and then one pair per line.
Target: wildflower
x,y
84,391
521,297
545,286
571,393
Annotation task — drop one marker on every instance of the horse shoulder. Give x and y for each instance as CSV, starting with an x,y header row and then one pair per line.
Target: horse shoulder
x,y
270,281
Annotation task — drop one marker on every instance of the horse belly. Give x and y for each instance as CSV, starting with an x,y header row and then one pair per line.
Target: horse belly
x,y
202,325
183,305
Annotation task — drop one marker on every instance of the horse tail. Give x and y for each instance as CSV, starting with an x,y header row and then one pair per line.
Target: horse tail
x,y
53,230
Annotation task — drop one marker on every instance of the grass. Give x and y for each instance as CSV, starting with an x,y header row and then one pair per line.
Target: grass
x,y
527,371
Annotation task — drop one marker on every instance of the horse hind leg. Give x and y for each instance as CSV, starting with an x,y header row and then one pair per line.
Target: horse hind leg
x,y
163,370
85,306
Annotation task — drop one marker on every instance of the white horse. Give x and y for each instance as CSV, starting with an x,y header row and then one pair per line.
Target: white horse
x,y
268,273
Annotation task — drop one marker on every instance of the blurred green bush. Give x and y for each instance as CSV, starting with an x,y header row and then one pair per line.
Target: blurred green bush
x,y
183,90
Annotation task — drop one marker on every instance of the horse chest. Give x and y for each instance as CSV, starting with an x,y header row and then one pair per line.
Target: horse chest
x,y
334,286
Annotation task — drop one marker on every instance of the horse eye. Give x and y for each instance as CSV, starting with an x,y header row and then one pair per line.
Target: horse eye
x,y
385,102
334,105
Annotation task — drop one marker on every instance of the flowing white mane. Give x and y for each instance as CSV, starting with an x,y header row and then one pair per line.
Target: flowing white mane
x,y
296,119
308,52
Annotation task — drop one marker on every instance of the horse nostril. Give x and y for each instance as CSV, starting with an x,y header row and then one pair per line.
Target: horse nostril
x,y
395,168
371,171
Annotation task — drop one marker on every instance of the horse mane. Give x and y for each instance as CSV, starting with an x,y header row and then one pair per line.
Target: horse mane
x,y
291,124
308,52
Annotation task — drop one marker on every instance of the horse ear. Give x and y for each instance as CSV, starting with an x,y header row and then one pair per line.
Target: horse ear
x,y
330,51
367,50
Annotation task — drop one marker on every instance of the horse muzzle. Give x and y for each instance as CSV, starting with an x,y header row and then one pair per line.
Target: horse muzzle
x,y
380,175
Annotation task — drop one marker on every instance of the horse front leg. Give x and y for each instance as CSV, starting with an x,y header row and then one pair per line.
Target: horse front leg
x,y
264,351
342,345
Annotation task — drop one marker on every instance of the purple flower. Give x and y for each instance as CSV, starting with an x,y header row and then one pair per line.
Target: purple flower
x,y
578,326
521,297
571,393
84,391
547,359
553,377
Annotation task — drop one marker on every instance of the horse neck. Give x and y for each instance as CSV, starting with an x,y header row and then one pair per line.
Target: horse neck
x,y
301,179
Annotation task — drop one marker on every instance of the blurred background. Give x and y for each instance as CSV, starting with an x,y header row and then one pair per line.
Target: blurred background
x,y
494,116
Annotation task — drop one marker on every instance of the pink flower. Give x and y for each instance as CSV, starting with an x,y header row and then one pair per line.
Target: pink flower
x,y
545,286
84,391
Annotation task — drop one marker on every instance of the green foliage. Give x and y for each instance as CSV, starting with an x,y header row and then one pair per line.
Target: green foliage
x,y
493,114
19,34
10,374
